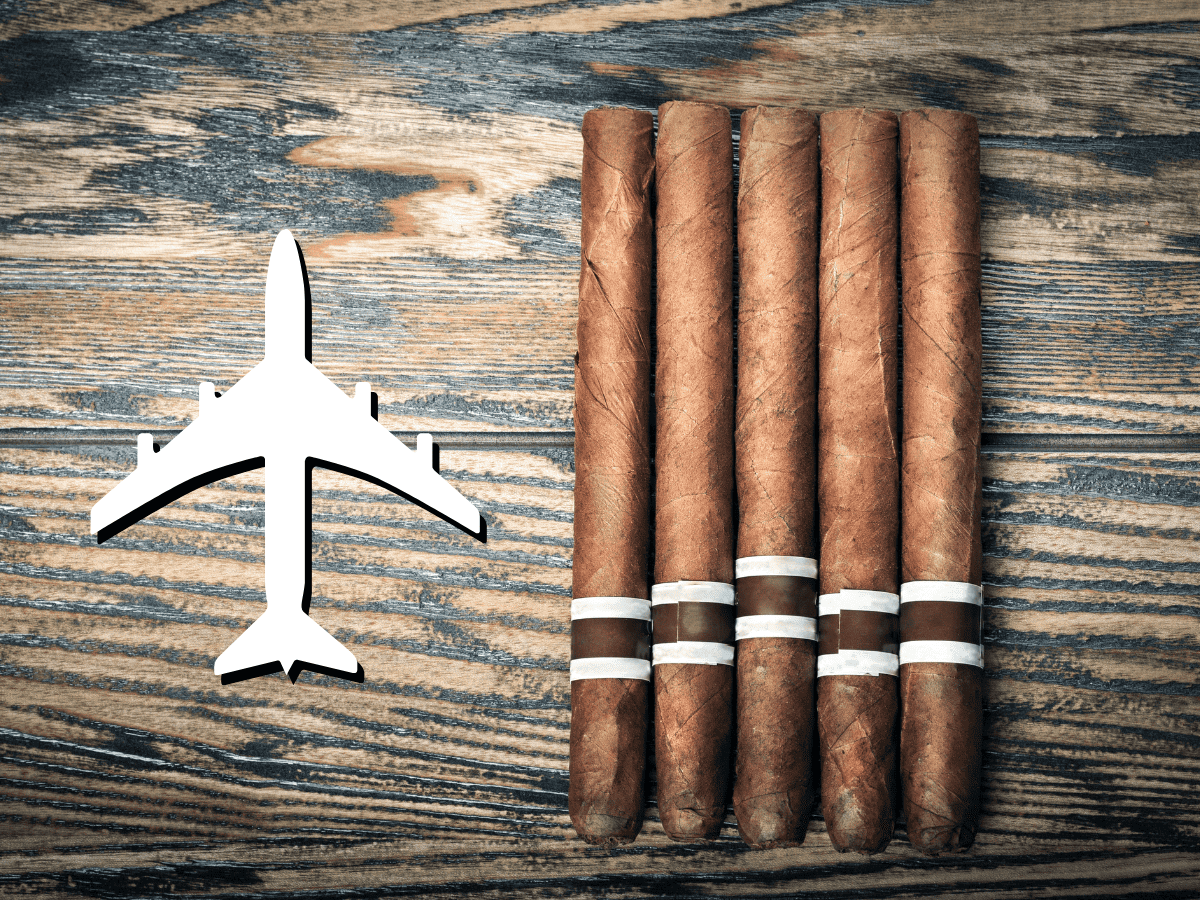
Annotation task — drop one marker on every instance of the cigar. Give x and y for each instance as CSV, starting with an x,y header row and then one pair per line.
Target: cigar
x,y
610,612
693,567
941,561
858,479
775,629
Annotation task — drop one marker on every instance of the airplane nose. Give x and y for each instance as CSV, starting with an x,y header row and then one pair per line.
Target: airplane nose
x,y
287,300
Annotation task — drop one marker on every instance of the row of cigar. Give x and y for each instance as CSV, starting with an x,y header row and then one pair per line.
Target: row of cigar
x,y
850,228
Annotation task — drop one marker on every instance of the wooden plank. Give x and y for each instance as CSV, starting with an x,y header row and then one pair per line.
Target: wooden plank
x,y
433,183
493,349
446,768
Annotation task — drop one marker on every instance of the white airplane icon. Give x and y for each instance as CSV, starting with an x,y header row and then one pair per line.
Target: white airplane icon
x,y
286,415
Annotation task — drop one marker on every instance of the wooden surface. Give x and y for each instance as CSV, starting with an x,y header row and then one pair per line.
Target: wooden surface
x,y
427,157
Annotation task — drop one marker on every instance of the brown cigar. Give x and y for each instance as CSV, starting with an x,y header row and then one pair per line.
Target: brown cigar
x,y
773,791
610,667
941,679
858,478
694,459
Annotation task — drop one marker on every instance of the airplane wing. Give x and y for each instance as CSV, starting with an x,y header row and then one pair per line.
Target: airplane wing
x,y
359,445
216,445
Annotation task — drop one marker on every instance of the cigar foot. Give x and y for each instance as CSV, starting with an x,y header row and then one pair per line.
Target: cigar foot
x,y
608,758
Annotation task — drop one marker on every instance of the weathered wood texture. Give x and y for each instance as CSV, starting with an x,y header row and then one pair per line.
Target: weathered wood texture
x,y
122,750
148,154
432,177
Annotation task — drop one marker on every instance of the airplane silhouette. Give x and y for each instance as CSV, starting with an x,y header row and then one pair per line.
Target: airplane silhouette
x,y
286,415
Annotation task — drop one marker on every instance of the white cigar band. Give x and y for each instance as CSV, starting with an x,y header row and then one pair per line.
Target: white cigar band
x,y
610,608
627,637
755,566
848,661
941,592
963,620
693,615
707,653
801,627
941,652
858,662
692,592
869,601
610,667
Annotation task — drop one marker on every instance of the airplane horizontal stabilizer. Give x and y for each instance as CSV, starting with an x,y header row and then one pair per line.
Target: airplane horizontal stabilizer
x,y
285,636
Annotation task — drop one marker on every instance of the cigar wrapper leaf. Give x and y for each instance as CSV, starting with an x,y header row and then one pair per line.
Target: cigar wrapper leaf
x,y
858,476
613,412
941,701
778,239
694,539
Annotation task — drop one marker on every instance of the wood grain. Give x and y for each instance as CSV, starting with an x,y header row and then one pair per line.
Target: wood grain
x,y
427,156
119,742
433,181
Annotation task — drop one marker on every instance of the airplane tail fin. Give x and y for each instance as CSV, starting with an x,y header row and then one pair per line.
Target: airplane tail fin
x,y
286,636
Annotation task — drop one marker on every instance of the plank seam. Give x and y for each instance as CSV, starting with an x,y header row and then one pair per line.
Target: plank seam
x,y
992,442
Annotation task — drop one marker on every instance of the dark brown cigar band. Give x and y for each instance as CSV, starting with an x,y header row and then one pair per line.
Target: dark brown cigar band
x,y
618,638
776,595
693,622
931,620
827,631
944,624
610,638
860,629
859,633
711,622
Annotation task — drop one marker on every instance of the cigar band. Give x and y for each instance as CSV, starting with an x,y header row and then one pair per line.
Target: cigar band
x,y
858,633
610,667
941,652
691,592
941,592
693,622
705,653
801,627
610,638
827,605
941,622
610,608
796,566
769,589
866,601
857,662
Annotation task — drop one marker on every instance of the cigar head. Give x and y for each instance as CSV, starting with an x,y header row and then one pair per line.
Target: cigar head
x,y
693,737
941,754
608,756
856,720
774,792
